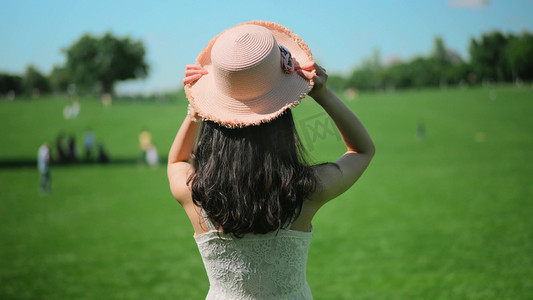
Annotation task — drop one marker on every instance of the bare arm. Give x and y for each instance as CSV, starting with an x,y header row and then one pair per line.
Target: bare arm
x,y
178,168
336,178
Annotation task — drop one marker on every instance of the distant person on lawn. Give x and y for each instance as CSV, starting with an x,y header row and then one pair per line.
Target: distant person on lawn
x,y
88,141
145,141
43,165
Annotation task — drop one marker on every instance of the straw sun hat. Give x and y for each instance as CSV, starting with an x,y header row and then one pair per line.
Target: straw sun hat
x,y
249,74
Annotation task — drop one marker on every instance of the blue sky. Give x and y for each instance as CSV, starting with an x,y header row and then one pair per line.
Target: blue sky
x,y
340,33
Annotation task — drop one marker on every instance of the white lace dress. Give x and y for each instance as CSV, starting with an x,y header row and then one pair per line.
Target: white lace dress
x,y
266,266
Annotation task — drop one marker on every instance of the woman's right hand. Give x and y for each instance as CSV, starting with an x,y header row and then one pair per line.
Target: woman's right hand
x,y
320,87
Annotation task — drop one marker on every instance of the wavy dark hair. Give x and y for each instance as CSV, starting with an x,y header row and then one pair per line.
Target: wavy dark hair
x,y
252,179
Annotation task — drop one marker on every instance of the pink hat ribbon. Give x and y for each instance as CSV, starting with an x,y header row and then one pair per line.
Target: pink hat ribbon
x,y
306,71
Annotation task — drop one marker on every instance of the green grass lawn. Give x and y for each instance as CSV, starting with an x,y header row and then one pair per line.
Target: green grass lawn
x,y
447,217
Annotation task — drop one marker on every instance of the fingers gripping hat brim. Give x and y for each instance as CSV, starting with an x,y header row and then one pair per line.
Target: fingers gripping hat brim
x,y
214,105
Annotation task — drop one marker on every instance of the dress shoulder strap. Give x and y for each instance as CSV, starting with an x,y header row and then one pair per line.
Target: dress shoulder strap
x,y
208,222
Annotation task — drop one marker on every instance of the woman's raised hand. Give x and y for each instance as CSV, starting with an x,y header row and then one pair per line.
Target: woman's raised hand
x,y
320,79
193,73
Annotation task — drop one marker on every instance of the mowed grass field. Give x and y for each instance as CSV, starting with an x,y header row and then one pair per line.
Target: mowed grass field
x,y
446,217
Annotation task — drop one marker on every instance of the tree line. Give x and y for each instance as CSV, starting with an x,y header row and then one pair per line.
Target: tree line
x,y
94,64
493,58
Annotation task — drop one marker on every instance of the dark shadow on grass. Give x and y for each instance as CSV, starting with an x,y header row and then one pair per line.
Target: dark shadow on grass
x,y
32,163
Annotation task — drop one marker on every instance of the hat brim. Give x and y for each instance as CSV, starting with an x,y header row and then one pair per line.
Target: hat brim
x,y
214,105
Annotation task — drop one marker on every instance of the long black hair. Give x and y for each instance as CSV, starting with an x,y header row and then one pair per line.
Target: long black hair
x,y
252,179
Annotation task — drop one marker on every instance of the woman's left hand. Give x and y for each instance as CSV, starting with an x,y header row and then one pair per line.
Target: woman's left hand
x,y
193,73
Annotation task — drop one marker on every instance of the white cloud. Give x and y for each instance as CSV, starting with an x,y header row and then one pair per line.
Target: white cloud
x,y
468,3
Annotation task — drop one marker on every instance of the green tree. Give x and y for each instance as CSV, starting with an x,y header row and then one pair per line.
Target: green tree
x,y
373,62
442,54
369,75
439,53
488,56
336,82
444,61
362,79
102,61
462,73
520,56
10,83
59,79
423,72
34,80
396,75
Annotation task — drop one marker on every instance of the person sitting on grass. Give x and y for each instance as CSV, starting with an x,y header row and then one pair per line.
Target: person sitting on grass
x,y
237,167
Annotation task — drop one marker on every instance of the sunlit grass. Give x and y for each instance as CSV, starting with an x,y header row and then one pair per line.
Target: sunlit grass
x,y
447,217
